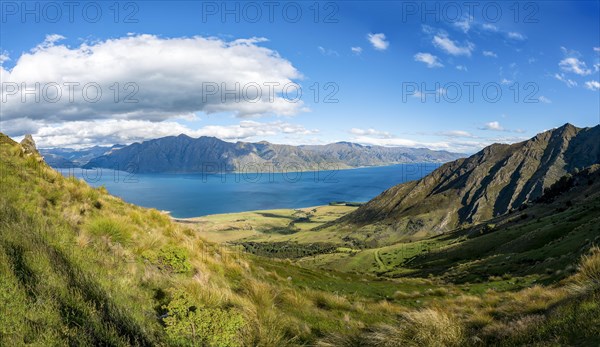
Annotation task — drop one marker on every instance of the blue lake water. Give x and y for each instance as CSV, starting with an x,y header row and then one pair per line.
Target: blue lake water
x,y
192,195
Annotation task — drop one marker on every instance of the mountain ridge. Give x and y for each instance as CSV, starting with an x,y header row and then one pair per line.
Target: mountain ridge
x,y
493,181
186,154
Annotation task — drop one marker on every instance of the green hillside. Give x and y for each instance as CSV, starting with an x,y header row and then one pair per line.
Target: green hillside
x,y
81,267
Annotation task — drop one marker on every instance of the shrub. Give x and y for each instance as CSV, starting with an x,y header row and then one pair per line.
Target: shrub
x,y
190,324
112,228
171,258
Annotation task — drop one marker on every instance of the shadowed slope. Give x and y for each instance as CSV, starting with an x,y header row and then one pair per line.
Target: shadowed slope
x,y
490,183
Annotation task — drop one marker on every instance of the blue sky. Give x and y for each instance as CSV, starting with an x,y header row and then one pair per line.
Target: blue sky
x,y
371,63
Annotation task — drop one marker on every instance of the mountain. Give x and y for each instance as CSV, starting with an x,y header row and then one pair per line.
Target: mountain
x,y
492,182
544,238
71,157
209,154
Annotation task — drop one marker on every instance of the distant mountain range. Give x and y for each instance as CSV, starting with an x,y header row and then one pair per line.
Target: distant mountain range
x,y
70,157
492,182
208,154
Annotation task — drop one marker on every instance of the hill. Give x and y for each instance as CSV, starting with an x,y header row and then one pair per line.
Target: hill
x,y
492,182
81,267
209,154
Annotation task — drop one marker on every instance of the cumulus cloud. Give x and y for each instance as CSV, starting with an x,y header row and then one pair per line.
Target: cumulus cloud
x,y
490,54
4,57
569,82
168,77
495,125
592,85
490,27
371,132
431,60
378,41
575,66
464,24
86,133
515,36
443,42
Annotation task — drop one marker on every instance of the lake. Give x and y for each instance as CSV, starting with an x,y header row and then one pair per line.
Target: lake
x,y
193,195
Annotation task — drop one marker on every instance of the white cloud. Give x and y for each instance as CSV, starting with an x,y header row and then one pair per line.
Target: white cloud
x,y
454,145
544,100
597,49
378,41
490,54
329,52
456,133
443,42
431,60
49,41
4,57
506,81
490,27
574,65
515,36
561,77
171,75
356,50
592,85
461,68
464,24
427,29
495,125
371,132
108,132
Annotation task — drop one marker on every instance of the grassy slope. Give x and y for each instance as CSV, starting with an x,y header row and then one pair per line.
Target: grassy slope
x,y
80,267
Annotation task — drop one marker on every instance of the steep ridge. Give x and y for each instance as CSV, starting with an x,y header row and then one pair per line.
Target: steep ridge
x,y
208,154
492,182
544,237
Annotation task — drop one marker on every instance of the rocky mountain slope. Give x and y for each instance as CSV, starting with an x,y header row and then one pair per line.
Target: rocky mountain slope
x,y
492,182
209,154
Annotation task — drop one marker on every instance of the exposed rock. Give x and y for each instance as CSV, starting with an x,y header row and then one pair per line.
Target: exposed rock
x,y
492,182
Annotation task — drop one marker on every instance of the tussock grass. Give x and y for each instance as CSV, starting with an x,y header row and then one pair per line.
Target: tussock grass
x,y
80,267
115,229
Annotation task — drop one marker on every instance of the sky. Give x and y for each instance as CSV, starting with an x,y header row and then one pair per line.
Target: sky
x,y
451,76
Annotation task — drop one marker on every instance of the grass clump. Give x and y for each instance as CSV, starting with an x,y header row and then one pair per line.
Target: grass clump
x,y
109,227
589,270
426,327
